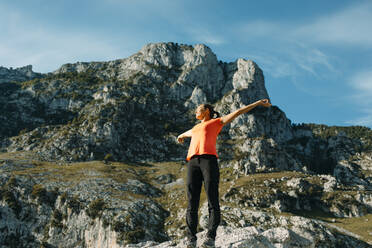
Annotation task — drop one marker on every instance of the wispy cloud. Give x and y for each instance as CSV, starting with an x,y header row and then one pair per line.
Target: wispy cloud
x,y
349,26
295,56
365,120
257,28
274,65
49,50
179,17
300,41
295,60
202,35
308,58
33,41
29,42
361,84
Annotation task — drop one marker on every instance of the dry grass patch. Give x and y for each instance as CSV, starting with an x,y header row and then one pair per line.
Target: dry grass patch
x,y
178,169
361,226
74,172
259,178
19,156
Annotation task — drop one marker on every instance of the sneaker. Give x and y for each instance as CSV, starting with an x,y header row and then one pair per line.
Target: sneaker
x,y
190,243
208,243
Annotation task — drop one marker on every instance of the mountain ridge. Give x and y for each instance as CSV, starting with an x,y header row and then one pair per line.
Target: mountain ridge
x,y
86,123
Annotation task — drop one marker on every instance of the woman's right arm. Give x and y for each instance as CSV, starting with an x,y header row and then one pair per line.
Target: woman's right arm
x,y
230,117
184,135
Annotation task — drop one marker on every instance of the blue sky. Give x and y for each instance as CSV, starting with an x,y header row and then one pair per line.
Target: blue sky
x,y
316,55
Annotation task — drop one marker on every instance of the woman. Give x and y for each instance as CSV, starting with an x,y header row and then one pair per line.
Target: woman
x,y
203,166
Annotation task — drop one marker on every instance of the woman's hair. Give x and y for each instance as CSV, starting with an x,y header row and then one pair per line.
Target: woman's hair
x,y
211,110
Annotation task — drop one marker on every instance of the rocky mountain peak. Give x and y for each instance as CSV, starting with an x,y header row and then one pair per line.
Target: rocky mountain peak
x,y
174,55
18,74
89,110
162,80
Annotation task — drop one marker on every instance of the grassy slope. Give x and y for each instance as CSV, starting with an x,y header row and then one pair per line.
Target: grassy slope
x,y
174,198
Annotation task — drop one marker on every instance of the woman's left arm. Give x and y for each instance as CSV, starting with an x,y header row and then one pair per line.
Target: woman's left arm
x,y
230,117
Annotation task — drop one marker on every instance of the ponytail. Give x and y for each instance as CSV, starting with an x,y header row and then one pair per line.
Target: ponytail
x,y
215,113
212,113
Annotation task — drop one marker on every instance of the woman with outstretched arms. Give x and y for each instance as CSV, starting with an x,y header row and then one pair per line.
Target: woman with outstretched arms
x,y
202,166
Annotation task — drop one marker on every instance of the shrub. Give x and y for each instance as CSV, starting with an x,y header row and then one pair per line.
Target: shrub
x,y
10,199
63,197
118,226
23,131
134,236
39,192
57,219
167,126
105,223
108,157
75,204
95,208
12,182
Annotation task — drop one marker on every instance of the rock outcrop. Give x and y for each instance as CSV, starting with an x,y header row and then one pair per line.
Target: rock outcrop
x,y
17,75
304,233
89,110
84,209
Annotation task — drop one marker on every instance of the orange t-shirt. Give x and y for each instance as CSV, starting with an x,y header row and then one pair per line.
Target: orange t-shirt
x,y
204,136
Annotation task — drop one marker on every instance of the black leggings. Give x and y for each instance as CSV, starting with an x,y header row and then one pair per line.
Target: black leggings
x,y
203,168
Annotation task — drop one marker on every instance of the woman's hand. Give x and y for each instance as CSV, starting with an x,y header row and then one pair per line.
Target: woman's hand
x,y
184,135
180,139
264,103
